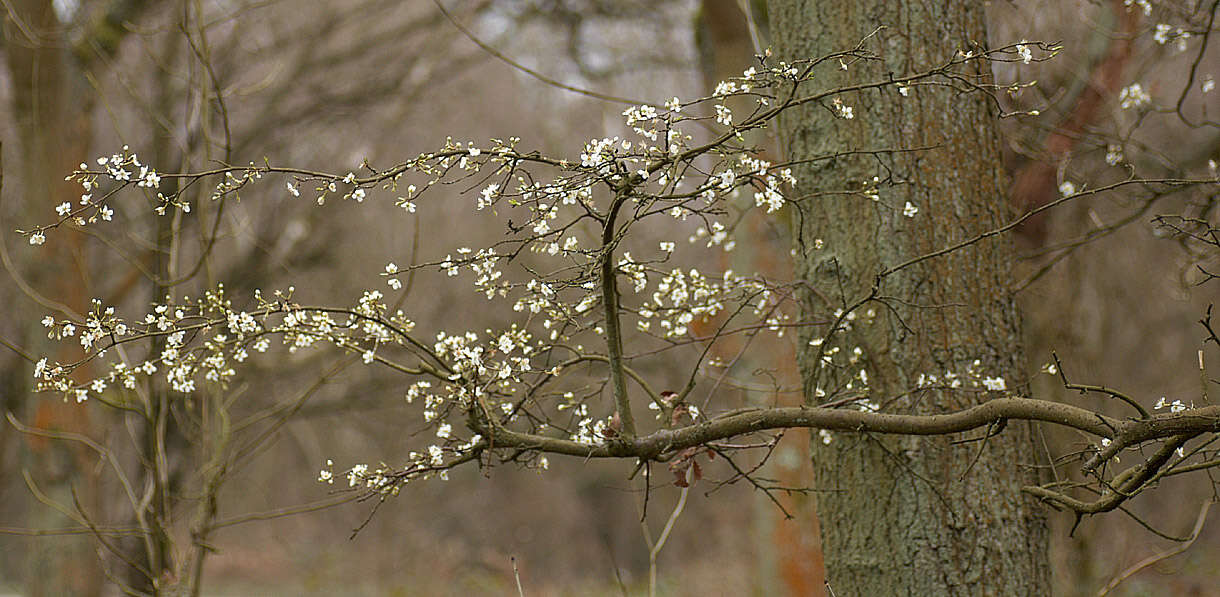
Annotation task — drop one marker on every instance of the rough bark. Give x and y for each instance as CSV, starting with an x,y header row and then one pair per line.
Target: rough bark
x,y
909,515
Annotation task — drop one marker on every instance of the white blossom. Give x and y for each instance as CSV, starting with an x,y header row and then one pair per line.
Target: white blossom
x,y
1133,96
995,384
1024,52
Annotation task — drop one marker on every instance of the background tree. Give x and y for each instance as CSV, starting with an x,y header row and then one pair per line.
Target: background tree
x,y
73,88
729,34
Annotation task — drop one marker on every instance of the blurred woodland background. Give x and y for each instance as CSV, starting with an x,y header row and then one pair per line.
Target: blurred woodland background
x,y
193,83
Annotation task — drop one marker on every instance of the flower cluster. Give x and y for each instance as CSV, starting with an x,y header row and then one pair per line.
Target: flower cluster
x,y
972,377
1133,96
1166,33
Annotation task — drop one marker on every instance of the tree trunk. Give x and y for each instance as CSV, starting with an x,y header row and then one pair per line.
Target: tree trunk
x,y
905,515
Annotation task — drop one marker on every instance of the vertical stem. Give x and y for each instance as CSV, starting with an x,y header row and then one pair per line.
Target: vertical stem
x,y
610,300
217,432
654,549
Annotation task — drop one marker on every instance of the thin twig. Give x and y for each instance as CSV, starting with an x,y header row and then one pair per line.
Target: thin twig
x,y
529,71
1150,560
517,577
656,548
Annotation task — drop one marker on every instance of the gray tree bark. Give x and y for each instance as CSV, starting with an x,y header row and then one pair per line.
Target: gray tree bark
x,y
910,515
